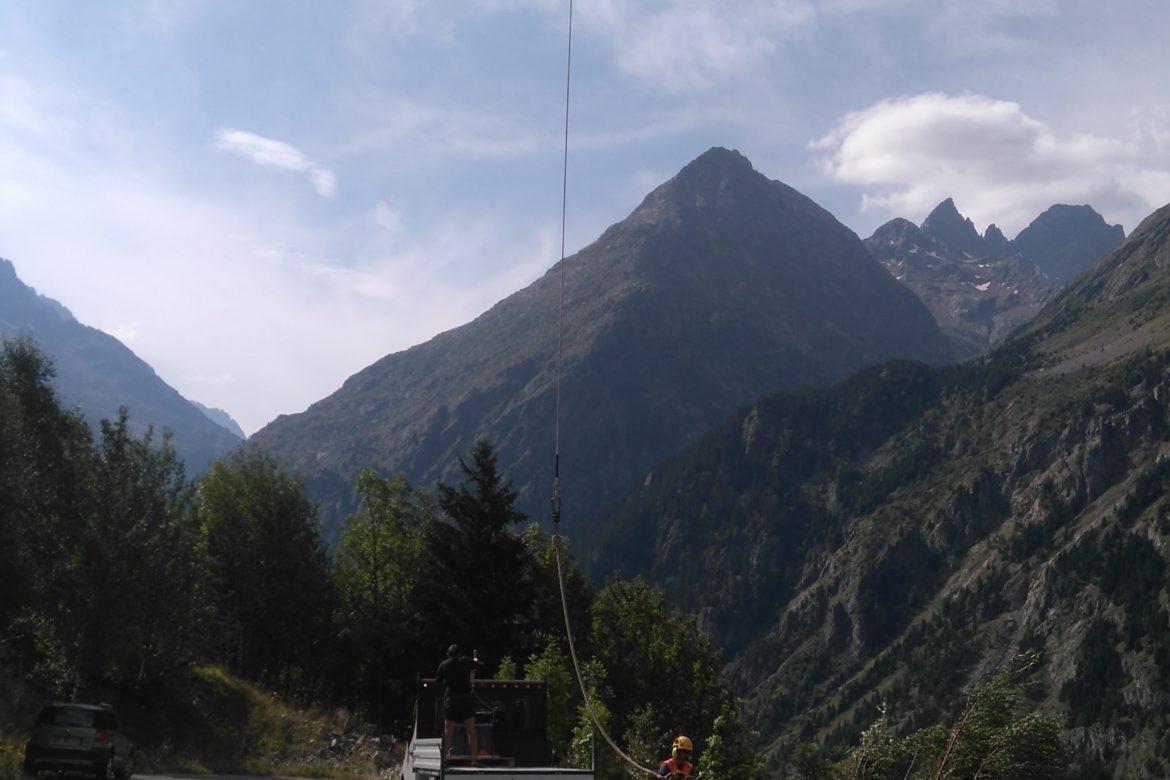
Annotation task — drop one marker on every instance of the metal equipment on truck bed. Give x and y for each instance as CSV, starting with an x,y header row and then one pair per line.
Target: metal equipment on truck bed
x,y
511,721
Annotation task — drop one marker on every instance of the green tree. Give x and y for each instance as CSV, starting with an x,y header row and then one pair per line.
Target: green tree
x,y
375,566
656,661
479,584
578,592
271,582
97,539
550,665
587,746
140,575
989,739
729,753
46,459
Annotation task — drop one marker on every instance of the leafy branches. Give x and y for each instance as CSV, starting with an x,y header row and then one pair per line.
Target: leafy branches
x,y
990,738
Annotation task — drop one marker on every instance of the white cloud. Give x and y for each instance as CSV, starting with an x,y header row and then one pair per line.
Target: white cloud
x,y
683,45
277,154
1000,165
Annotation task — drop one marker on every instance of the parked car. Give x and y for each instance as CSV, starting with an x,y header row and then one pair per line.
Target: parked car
x,y
70,737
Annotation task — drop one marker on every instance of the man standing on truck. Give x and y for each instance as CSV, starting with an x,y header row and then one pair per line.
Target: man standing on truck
x,y
454,681
679,764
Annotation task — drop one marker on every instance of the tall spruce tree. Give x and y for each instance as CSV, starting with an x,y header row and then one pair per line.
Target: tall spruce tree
x,y
478,587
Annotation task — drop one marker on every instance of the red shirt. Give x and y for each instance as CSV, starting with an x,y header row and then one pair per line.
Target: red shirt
x,y
672,767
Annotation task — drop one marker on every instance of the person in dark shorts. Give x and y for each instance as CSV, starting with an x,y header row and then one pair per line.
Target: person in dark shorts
x,y
454,681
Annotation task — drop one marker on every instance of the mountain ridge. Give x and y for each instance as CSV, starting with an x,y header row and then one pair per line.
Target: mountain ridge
x,y
98,374
719,286
981,288
885,543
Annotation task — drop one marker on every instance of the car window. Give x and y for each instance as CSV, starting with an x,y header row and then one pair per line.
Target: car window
x,y
106,720
67,716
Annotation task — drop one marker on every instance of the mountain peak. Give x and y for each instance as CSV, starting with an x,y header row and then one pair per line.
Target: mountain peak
x,y
947,226
1065,239
996,242
720,188
710,179
721,159
721,286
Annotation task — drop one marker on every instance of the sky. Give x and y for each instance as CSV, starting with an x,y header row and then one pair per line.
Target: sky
x,y
262,198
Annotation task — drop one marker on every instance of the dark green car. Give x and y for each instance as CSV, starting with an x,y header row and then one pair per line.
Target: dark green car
x,y
87,738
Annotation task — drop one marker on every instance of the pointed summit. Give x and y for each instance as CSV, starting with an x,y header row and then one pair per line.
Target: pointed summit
x,y
718,160
721,286
720,187
1065,240
995,242
947,226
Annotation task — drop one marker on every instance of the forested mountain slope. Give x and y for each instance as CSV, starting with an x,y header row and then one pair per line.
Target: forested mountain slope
x,y
898,537
720,287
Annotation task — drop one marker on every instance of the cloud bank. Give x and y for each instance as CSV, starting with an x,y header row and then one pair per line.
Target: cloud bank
x,y
999,164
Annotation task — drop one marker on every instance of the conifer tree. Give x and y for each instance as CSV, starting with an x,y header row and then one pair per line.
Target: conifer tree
x,y
478,587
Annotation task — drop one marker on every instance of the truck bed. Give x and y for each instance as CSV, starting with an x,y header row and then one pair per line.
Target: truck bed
x,y
425,763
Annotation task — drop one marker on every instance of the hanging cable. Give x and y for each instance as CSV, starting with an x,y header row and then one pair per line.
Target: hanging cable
x,y
556,485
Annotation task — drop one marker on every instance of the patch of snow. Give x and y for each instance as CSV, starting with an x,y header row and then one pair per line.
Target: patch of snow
x,y
982,287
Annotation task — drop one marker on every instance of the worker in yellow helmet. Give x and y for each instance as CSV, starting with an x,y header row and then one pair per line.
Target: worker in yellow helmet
x,y
679,765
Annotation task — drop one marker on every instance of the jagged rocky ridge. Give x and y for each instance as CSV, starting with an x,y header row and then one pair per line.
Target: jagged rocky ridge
x,y
897,538
981,288
721,286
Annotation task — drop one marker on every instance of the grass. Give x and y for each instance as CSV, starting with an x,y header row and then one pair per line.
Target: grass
x,y
214,723
11,753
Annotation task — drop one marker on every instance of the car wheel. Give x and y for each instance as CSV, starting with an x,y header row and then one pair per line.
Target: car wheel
x,y
123,772
105,770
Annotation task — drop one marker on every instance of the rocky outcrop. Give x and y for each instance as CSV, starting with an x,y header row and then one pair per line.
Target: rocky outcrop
x,y
981,288
898,538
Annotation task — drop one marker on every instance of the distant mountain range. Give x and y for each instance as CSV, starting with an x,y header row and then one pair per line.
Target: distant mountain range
x,y
97,374
893,540
981,288
721,286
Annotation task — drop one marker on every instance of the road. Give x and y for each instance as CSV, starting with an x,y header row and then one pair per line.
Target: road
x,y
177,776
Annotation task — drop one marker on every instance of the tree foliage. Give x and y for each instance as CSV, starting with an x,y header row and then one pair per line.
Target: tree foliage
x,y
116,570
480,584
662,674
991,738
375,569
270,569
100,568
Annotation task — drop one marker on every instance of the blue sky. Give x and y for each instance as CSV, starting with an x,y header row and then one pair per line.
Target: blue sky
x,y
262,198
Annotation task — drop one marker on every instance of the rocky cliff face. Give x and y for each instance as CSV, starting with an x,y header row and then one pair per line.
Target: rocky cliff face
x,y
98,374
899,537
981,288
721,286
1061,239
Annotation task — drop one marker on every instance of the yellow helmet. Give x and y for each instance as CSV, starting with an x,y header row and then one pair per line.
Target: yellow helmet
x,y
682,743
